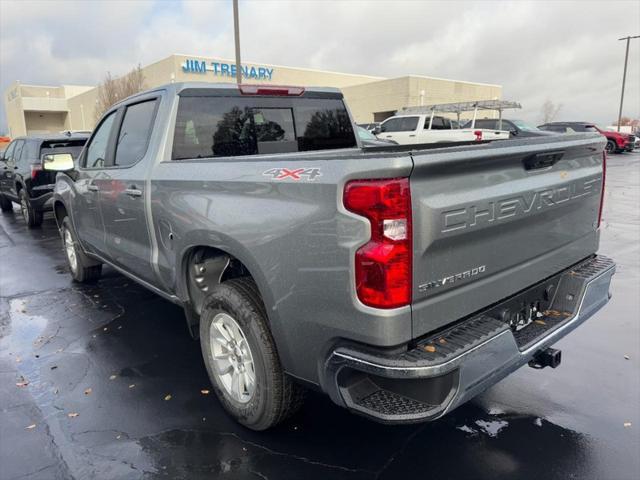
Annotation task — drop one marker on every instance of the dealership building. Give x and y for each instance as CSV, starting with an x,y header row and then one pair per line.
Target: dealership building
x,y
36,109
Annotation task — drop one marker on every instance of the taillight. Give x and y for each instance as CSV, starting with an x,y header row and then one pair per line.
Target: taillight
x,y
35,168
271,90
383,264
478,134
604,177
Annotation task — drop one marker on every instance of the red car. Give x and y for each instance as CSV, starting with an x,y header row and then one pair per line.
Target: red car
x,y
617,142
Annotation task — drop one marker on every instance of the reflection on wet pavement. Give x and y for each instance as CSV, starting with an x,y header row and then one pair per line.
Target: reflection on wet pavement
x,y
112,352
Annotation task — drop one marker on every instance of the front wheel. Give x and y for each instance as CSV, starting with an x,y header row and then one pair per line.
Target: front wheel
x,y
241,357
32,217
611,147
76,259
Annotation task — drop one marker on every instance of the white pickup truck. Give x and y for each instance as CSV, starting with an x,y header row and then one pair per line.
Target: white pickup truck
x,y
422,128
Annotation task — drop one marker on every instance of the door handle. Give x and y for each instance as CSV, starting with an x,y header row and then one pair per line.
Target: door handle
x,y
133,192
92,188
412,135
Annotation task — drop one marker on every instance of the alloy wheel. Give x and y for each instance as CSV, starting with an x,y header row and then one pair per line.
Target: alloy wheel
x,y
232,358
69,248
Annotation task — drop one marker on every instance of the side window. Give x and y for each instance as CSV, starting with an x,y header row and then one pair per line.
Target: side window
x,y
134,133
8,153
437,123
400,124
97,150
490,124
17,152
392,125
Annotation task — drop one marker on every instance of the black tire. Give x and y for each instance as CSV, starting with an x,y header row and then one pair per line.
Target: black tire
x,y
275,396
82,270
611,147
32,217
6,205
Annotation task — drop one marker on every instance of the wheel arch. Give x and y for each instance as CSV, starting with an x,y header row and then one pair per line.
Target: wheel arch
x,y
220,265
59,211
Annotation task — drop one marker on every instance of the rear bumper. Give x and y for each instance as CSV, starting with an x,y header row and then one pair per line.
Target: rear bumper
x,y
445,370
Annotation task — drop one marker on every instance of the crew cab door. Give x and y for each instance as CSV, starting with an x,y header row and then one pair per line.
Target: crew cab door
x,y
400,129
122,194
86,215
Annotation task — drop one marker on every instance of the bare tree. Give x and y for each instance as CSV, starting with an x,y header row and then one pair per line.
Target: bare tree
x,y
550,111
624,121
114,89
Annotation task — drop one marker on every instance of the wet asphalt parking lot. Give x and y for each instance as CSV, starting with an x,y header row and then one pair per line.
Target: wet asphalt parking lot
x,y
103,381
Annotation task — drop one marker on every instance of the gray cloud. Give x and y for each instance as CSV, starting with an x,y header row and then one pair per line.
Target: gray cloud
x,y
563,51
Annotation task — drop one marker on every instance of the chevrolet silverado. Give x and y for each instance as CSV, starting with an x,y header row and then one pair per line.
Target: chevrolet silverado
x,y
400,280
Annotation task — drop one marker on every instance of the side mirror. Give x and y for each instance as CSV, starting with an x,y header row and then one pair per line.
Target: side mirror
x,y
57,162
376,130
514,133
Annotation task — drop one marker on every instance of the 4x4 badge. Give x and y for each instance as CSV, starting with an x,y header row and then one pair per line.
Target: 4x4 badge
x,y
295,174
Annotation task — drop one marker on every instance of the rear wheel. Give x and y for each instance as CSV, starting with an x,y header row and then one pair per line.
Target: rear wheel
x,y
241,357
32,217
5,204
76,258
611,146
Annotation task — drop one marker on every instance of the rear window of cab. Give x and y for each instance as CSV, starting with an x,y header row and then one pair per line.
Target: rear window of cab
x,y
232,126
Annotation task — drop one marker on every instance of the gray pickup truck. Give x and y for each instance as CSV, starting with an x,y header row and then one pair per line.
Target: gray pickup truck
x,y
401,281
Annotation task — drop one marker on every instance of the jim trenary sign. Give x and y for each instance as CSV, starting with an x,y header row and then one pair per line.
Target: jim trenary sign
x,y
226,69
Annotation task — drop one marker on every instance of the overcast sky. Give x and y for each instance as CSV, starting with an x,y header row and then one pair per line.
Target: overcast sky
x,y
566,52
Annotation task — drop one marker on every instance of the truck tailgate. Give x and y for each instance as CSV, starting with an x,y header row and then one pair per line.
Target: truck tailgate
x,y
490,220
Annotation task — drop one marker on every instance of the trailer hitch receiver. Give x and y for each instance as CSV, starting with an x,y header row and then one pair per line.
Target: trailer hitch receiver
x,y
550,357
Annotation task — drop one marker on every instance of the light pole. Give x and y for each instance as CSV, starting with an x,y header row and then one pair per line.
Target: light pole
x,y
236,34
624,75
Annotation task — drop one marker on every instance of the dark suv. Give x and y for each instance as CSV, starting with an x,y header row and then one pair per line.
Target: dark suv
x,y
22,178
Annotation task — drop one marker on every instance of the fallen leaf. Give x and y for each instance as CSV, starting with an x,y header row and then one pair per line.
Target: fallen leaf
x,y
112,377
88,391
627,424
73,415
132,385
626,357
22,384
56,391
167,397
430,348
442,341
31,427
53,367
540,322
118,437
204,392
